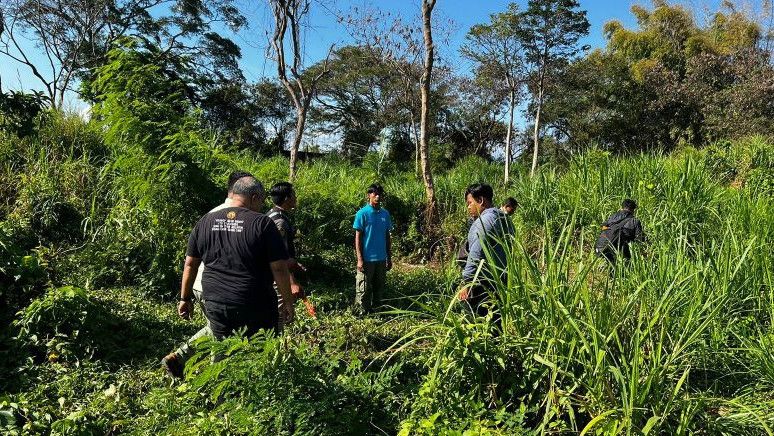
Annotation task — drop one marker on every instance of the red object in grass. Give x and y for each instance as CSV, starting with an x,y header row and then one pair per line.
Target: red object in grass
x,y
309,307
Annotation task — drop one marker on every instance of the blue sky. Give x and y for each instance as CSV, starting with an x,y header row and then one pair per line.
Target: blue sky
x,y
324,30
463,14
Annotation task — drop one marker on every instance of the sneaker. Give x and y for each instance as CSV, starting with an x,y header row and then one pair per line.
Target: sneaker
x,y
173,365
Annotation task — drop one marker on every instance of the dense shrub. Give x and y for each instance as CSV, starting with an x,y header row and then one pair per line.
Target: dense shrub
x,y
69,324
676,341
22,273
265,387
18,112
747,163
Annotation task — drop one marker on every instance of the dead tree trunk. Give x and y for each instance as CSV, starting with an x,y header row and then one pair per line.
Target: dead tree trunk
x,y
424,149
291,12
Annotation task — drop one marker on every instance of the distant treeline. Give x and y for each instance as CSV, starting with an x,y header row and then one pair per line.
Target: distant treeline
x,y
670,81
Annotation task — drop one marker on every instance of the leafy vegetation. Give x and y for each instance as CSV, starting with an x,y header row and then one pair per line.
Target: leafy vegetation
x,y
94,215
677,340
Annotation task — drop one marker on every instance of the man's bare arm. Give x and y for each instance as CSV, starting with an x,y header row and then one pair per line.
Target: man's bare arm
x,y
359,249
190,269
389,251
279,269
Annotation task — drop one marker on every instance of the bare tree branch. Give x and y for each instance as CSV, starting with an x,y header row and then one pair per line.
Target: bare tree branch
x,y
301,89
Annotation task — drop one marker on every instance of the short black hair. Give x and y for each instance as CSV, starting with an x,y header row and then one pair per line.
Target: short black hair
x,y
479,190
375,189
511,202
236,175
280,192
629,204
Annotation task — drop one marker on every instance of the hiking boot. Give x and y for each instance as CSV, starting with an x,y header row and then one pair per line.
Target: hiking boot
x,y
173,364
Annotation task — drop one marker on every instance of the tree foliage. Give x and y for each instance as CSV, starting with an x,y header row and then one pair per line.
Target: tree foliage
x,y
357,99
550,30
75,36
498,51
666,83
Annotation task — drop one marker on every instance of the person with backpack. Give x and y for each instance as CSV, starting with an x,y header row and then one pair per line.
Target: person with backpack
x,y
618,231
509,206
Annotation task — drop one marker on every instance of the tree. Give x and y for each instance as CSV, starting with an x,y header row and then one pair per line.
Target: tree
x,y
497,50
667,82
598,103
424,127
275,113
695,79
74,37
356,100
550,30
137,100
231,111
469,119
399,46
302,87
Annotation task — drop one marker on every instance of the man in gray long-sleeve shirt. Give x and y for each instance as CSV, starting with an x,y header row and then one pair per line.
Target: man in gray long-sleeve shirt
x,y
488,240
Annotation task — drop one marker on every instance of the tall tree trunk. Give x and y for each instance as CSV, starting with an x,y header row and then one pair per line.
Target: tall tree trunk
x,y
511,103
535,138
300,123
416,144
427,10
302,90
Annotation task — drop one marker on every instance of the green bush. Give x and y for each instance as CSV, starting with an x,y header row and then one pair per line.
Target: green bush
x,y
60,325
747,162
70,324
262,386
23,273
19,111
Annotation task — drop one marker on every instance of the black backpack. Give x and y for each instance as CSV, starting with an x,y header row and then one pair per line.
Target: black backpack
x,y
611,237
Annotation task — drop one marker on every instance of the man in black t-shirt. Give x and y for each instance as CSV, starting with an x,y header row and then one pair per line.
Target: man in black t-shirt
x,y
244,254
174,362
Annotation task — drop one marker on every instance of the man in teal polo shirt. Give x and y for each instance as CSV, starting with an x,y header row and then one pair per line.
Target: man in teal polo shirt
x,y
373,248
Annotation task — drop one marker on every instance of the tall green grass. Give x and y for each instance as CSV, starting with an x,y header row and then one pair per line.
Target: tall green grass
x,y
678,340
675,341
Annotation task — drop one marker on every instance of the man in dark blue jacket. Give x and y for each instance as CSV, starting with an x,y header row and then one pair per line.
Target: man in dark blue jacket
x,y
618,231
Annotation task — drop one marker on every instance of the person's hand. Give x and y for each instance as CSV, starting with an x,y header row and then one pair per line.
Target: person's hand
x,y
185,309
296,291
389,264
288,313
360,265
464,294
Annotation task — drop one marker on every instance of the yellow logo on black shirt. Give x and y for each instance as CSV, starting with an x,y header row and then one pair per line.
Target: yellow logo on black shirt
x,y
231,215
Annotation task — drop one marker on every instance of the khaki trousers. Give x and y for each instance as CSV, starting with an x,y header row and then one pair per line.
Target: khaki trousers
x,y
369,286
